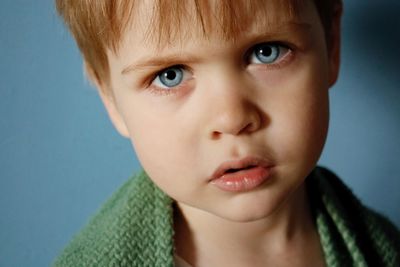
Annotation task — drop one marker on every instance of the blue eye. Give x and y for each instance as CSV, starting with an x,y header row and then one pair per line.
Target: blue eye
x,y
266,53
169,77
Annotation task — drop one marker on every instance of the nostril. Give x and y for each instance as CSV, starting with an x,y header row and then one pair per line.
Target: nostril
x,y
248,128
215,135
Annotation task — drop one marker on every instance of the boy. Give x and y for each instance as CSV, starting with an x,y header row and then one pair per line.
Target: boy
x,y
226,105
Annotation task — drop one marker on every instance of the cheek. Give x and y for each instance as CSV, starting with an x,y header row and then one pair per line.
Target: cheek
x,y
162,145
155,140
302,118
312,128
157,154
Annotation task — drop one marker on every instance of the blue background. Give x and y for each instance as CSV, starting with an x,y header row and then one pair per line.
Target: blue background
x,y
60,158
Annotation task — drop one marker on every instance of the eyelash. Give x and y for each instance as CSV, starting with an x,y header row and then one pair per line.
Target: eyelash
x,y
281,61
165,92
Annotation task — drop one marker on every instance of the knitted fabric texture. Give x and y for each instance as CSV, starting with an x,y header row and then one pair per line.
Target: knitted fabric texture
x,y
135,228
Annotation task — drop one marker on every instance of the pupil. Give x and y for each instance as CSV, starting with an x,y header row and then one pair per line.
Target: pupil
x,y
266,51
170,75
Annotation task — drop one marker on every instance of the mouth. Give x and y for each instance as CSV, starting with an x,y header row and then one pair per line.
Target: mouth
x,y
242,175
240,169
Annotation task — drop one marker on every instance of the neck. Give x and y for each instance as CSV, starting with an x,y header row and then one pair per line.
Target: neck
x,y
200,232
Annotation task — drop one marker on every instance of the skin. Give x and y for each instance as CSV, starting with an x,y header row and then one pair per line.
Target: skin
x,y
229,107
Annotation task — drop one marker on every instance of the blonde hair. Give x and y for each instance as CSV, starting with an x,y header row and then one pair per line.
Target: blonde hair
x,y
98,25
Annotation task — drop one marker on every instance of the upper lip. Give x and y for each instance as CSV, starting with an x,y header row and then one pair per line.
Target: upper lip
x,y
246,162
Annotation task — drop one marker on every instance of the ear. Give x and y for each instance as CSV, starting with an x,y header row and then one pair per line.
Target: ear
x,y
334,44
108,100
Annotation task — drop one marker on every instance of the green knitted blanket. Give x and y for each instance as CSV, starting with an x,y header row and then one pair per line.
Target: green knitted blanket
x,y
135,228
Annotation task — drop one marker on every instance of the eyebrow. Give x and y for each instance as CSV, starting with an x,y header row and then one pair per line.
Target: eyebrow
x,y
179,59
165,61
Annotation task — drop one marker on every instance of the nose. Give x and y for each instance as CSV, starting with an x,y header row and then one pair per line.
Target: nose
x,y
233,110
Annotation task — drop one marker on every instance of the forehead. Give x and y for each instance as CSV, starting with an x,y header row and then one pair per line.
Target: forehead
x,y
165,22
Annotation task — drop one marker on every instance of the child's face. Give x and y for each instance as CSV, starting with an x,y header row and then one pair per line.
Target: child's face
x,y
264,96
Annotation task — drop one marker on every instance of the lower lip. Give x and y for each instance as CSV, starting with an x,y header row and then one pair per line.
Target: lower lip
x,y
244,180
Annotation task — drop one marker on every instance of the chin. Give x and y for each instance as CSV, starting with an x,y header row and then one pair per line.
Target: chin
x,y
247,211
